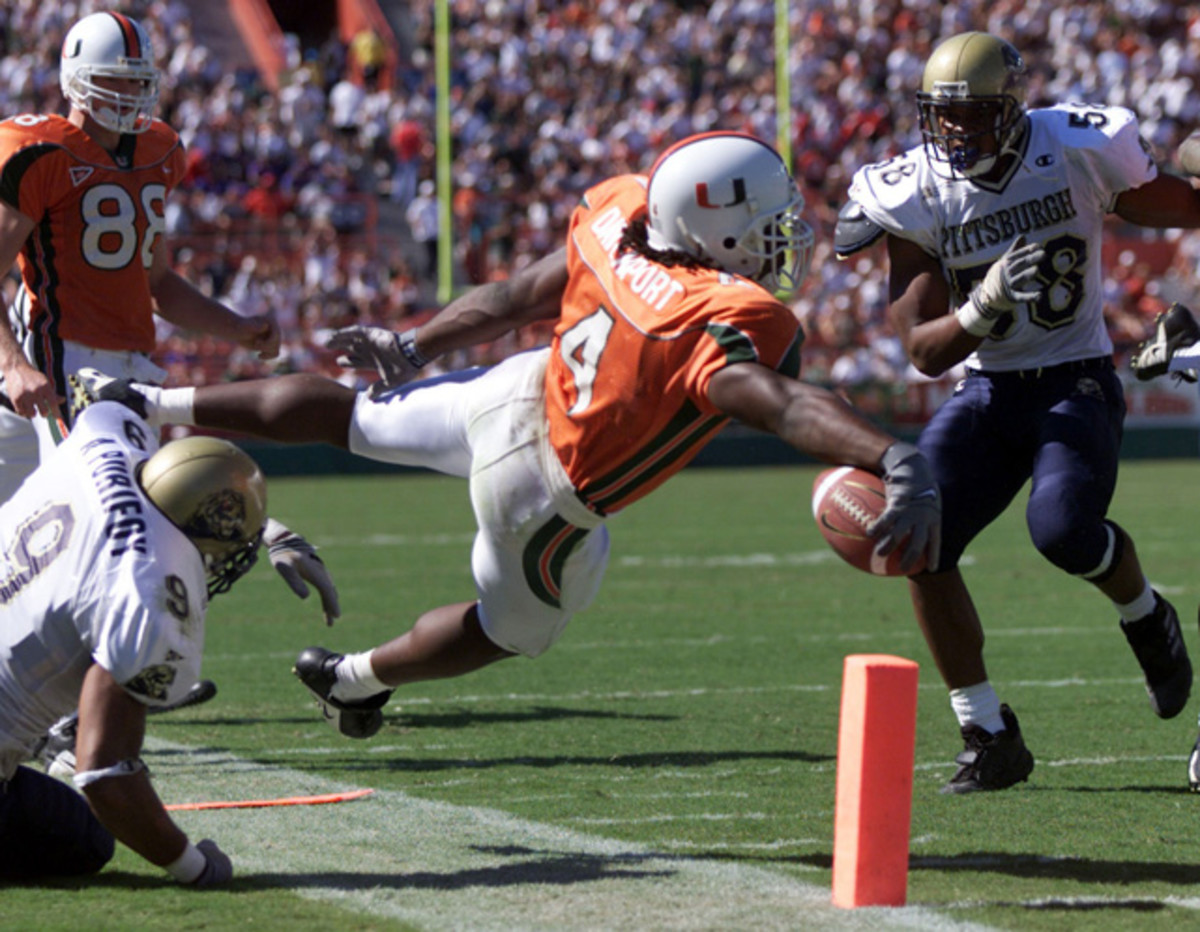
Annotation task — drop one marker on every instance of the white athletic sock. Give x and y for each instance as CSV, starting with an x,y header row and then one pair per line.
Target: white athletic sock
x,y
977,705
1140,607
356,678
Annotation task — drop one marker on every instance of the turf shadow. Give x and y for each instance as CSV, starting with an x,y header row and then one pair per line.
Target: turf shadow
x,y
457,719
377,763
532,867
1041,867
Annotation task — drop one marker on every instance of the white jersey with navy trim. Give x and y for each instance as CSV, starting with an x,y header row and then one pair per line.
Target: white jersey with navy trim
x,y
1074,160
91,571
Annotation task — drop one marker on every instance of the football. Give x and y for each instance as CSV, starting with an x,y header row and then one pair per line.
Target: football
x,y
846,501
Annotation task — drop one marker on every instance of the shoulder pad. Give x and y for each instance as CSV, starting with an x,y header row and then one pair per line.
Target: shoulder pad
x,y
855,231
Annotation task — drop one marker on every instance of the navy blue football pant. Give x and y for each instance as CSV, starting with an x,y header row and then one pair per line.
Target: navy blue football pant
x,y
1061,427
47,829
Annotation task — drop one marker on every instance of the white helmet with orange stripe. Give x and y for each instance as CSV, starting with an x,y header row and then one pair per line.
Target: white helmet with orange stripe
x,y
110,46
729,200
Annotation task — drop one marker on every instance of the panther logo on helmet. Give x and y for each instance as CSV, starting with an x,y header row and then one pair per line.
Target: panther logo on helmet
x,y
110,46
221,516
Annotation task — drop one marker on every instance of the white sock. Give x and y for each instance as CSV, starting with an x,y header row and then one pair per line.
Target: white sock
x,y
357,679
977,705
1140,607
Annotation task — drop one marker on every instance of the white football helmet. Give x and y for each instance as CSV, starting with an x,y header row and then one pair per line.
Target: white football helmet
x,y
728,199
110,45
215,493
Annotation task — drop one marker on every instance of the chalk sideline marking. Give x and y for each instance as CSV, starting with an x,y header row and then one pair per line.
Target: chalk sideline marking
x,y
442,866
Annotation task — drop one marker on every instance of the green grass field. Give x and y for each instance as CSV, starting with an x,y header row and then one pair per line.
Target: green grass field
x,y
670,764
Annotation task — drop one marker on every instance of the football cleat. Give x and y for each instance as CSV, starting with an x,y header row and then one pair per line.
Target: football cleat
x,y
199,694
1157,642
56,749
317,669
87,386
1174,329
991,761
1194,768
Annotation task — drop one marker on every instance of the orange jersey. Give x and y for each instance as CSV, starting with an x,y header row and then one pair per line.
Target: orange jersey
x,y
97,218
635,348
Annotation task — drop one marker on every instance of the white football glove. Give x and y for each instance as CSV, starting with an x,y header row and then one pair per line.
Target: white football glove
x,y
393,355
913,510
296,560
218,869
1011,280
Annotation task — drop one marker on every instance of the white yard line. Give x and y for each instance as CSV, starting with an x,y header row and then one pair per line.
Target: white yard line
x,y
441,866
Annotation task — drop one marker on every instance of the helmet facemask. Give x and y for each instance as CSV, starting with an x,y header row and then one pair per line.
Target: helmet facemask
x,y
114,110
782,242
967,134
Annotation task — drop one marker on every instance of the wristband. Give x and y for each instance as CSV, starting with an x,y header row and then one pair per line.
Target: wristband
x,y
188,866
125,768
408,346
274,532
972,319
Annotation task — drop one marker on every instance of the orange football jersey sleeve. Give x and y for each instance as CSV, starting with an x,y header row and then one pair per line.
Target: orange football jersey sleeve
x,y
635,348
98,216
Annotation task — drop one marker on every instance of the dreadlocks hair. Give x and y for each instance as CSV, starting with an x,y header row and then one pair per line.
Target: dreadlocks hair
x,y
635,239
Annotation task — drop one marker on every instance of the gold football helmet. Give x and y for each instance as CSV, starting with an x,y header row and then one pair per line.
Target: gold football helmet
x,y
217,496
971,102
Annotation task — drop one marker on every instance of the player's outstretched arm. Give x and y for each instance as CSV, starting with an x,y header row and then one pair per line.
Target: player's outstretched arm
x,y
821,424
479,316
111,775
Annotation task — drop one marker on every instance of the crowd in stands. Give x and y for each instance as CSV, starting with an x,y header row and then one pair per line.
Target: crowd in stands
x,y
280,204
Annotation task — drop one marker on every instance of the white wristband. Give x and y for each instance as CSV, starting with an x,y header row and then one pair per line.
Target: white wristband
x,y
189,865
972,319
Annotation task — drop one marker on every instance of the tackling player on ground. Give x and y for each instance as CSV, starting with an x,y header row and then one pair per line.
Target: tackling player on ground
x,y
666,327
108,560
993,231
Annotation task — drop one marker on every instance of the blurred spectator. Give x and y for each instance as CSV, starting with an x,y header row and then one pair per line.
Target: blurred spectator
x,y
616,82
422,217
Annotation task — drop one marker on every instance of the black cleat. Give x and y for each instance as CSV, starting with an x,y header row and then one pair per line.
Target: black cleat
x,y
1157,642
1174,329
991,761
316,669
200,693
1194,769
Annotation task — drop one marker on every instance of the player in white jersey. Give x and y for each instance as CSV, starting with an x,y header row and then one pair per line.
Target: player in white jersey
x,y
993,230
108,558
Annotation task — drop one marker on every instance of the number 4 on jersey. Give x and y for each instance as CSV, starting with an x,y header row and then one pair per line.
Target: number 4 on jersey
x,y
581,348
